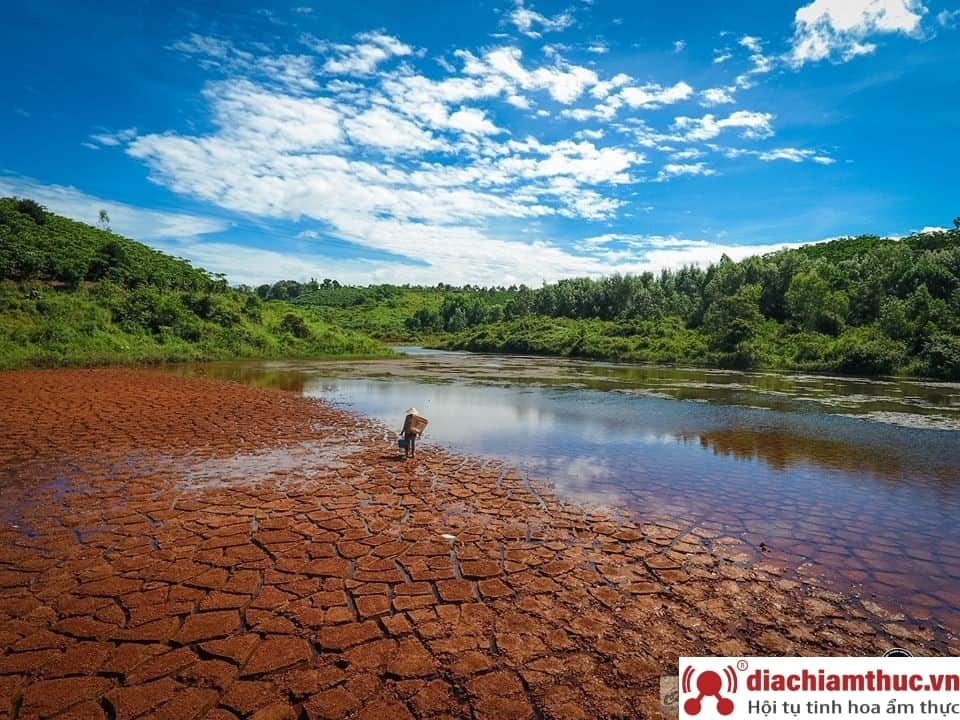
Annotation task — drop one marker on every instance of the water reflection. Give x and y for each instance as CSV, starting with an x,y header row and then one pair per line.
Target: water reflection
x,y
780,449
806,465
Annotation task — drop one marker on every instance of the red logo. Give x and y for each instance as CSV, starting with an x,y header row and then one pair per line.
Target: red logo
x,y
709,684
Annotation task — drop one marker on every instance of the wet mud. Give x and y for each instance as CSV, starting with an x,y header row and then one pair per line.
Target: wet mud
x,y
186,548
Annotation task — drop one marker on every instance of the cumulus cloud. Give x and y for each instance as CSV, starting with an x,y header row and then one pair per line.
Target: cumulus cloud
x,y
760,63
653,95
839,29
672,170
362,58
753,125
617,93
563,81
282,155
751,43
533,24
715,96
423,167
382,128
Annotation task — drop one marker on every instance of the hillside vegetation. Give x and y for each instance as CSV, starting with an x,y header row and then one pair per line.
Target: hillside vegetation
x,y
72,294
863,305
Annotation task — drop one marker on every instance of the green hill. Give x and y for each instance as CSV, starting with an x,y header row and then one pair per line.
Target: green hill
x,y
72,294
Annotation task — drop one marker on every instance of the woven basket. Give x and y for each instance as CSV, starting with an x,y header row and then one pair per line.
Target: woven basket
x,y
418,424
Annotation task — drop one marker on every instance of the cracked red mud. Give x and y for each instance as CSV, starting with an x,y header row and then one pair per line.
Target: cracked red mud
x,y
182,548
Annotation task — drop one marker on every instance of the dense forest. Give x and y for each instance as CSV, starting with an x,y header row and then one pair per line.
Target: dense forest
x,y
72,294
863,305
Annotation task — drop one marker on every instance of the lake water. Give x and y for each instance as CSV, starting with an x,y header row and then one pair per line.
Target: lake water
x,y
850,483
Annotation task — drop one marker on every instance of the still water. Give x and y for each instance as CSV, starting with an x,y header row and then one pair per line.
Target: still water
x,y
850,483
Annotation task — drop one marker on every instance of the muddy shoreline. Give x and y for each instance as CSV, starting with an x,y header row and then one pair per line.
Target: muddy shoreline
x,y
187,548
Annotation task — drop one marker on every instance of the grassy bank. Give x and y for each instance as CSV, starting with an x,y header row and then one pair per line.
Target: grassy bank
x,y
72,294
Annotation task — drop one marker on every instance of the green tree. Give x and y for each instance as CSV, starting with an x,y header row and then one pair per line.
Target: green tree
x,y
813,305
734,319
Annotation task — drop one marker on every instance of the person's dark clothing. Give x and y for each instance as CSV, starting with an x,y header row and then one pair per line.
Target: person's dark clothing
x,y
410,435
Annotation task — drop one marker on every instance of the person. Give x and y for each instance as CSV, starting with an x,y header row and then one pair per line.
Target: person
x,y
410,433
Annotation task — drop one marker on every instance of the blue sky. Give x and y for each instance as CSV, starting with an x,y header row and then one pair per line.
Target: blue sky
x,y
482,142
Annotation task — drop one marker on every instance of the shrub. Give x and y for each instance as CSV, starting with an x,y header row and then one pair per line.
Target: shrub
x,y
941,357
32,208
866,351
295,325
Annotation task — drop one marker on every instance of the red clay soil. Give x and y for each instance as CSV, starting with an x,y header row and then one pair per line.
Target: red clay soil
x,y
182,548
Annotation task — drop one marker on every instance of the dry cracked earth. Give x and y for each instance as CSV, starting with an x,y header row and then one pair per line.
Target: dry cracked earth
x,y
183,548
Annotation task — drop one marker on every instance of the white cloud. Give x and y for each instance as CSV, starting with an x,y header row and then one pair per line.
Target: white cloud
x,y
286,122
363,57
635,240
760,63
604,254
691,154
710,253
672,170
948,18
605,87
416,166
532,23
196,44
791,154
678,46
137,223
715,96
277,155
379,127
294,71
598,47
653,95
581,160
656,252
838,29
589,134
473,122
649,96
795,155
563,81
751,43
721,56
754,124
112,139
